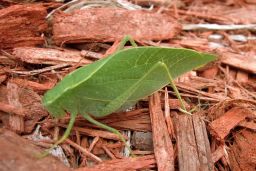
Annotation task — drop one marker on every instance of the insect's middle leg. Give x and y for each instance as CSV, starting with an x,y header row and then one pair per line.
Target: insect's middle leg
x,y
125,40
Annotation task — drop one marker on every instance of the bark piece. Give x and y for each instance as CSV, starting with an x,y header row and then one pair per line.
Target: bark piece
x,y
221,127
110,24
193,144
161,140
136,163
22,25
49,56
244,62
20,155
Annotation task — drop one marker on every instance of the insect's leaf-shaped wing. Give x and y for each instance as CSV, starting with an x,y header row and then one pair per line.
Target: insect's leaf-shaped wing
x,y
96,87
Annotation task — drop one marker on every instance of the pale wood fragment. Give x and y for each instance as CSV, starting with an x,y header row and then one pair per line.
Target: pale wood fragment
x,y
202,142
16,122
193,144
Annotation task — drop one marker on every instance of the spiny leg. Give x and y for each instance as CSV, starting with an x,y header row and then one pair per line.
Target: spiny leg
x,y
108,128
64,136
176,91
125,40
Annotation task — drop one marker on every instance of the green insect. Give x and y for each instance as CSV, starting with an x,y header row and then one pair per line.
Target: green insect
x,y
119,81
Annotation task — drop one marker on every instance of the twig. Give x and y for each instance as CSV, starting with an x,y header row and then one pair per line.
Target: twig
x,y
108,152
39,71
95,140
85,151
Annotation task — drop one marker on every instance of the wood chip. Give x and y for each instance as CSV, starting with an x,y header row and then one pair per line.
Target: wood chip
x,y
162,143
136,163
137,120
221,127
110,24
50,56
193,145
22,25
245,62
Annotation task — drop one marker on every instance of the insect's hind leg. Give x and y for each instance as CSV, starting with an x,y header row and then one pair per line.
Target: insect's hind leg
x,y
176,91
125,40
108,128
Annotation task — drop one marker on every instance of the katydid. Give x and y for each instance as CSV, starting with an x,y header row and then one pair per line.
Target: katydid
x,y
119,81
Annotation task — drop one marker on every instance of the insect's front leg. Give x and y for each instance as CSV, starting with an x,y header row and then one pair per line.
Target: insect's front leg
x,y
64,136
